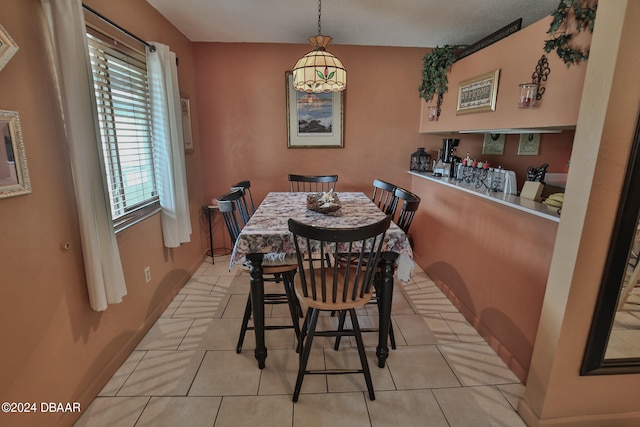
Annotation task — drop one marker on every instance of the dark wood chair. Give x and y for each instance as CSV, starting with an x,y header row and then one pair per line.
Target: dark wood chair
x,y
384,196
324,287
249,207
230,205
312,183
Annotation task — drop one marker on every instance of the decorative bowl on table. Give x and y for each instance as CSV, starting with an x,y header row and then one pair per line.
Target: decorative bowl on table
x,y
327,202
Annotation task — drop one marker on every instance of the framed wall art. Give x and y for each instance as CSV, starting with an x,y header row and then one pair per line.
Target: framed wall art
x,y
313,120
14,175
7,47
529,144
185,106
478,94
493,143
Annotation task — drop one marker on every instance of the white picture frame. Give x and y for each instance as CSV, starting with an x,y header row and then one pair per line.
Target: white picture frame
x,y
8,47
14,174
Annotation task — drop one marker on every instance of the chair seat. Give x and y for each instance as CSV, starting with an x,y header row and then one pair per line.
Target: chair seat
x,y
329,305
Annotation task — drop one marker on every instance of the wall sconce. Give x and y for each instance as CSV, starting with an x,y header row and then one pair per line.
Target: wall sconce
x,y
432,114
532,92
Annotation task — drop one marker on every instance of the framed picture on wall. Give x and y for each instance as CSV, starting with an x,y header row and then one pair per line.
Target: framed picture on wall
x,y
478,94
313,120
185,106
529,144
7,47
493,143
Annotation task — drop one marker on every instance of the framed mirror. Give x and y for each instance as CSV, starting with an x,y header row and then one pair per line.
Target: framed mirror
x,y
14,175
613,346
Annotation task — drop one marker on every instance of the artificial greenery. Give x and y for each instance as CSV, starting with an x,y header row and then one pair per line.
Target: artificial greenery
x,y
436,65
570,18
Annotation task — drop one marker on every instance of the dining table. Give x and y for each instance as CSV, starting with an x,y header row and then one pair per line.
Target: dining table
x,y
266,240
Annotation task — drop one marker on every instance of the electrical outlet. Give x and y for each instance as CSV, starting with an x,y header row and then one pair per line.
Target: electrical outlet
x,y
147,274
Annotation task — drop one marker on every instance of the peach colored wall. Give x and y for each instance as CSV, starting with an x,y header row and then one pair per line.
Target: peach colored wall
x,y
556,395
55,348
491,261
242,118
516,57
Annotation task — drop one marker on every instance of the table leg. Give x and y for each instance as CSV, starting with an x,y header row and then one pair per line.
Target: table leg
x,y
386,298
257,305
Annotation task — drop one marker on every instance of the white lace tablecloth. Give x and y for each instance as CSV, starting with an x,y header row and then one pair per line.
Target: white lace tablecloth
x,y
268,232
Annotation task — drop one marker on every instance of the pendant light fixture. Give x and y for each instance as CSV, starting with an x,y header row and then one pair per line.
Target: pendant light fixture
x,y
319,71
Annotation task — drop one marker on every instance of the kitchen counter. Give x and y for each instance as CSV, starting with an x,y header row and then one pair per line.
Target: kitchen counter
x,y
515,202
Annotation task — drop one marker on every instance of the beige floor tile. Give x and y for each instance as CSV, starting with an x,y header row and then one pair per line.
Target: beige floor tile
x,y
414,330
202,285
233,285
112,412
405,408
236,307
281,371
370,338
477,364
195,306
416,367
212,334
226,373
348,358
440,329
513,393
118,379
263,411
462,328
163,373
165,334
180,411
476,406
331,410
173,306
274,338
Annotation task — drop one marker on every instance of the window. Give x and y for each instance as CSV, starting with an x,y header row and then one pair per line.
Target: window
x,y
124,115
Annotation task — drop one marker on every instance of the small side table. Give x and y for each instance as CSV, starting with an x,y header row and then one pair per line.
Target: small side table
x,y
210,210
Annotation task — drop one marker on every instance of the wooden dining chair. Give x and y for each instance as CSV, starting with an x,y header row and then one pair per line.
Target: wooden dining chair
x,y
323,287
249,207
384,196
230,205
312,183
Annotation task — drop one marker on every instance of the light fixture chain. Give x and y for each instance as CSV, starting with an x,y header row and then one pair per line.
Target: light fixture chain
x,y
319,14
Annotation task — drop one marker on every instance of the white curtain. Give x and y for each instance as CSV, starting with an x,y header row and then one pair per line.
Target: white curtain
x,y
105,279
168,145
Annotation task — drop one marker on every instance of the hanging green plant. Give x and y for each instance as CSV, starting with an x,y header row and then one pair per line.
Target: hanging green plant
x,y
436,65
570,18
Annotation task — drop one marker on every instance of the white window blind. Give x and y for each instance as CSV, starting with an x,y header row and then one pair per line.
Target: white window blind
x,y
122,98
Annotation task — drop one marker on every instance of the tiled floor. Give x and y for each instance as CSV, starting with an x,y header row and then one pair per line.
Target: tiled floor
x,y
185,372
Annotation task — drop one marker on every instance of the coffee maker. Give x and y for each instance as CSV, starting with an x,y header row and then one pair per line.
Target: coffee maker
x,y
450,160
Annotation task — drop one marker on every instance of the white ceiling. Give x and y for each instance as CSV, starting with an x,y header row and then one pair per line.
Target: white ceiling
x,y
411,23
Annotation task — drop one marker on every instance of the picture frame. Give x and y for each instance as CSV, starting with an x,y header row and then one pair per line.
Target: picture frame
x,y
185,107
493,143
14,174
8,47
529,144
313,120
479,93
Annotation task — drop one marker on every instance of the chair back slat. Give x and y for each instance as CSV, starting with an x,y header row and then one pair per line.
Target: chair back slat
x,y
384,196
249,206
338,283
410,203
312,183
232,209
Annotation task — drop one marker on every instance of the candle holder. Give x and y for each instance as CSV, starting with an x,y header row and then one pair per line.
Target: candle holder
x,y
532,92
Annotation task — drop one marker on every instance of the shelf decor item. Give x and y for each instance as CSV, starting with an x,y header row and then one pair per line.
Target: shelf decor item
x,y
8,47
479,93
436,65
